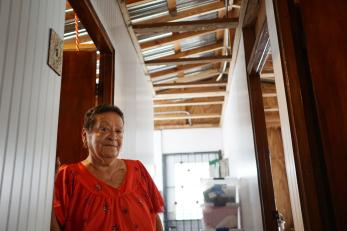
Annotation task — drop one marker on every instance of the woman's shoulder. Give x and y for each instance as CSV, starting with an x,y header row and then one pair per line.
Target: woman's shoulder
x,y
132,162
67,167
67,170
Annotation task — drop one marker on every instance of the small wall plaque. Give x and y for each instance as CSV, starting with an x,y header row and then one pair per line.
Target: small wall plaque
x,y
55,52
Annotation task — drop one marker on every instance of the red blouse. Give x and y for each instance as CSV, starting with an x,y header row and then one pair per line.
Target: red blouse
x,y
83,202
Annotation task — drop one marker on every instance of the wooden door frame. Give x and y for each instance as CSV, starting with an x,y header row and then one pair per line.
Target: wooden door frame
x,y
315,199
98,34
255,48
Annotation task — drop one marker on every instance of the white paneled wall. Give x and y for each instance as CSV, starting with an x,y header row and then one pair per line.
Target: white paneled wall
x,y
29,107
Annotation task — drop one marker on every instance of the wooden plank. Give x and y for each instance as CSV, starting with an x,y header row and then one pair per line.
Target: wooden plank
x,y
135,2
72,46
176,126
83,39
171,6
188,85
198,100
185,104
197,25
181,117
196,77
174,38
200,10
268,87
188,95
175,70
211,59
279,171
70,15
200,50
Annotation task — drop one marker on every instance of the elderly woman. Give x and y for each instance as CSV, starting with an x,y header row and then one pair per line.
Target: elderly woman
x,y
104,192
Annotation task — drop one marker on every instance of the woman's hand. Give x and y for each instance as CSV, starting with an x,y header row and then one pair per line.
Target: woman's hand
x,y
159,224
54,222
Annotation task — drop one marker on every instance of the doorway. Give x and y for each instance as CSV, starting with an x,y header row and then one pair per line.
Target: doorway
x,y
87,79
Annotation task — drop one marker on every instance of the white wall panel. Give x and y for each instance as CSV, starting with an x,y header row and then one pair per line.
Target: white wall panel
x,y
29,106
191,140
239,147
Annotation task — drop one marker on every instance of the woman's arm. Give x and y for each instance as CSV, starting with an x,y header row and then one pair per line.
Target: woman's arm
x,y
54,222
159,224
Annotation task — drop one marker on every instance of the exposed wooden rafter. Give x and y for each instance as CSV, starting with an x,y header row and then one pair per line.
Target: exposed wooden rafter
x,y
171,6
174,38
200,50
211,59
184,104
201,75
186,93
175,70
175,126
83,38
197,25
188,85
213,7
191,95
181,117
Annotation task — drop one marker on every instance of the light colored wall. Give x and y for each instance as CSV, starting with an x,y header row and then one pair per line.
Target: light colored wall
x,y
191,140
133,92
238,144
182,141
29,107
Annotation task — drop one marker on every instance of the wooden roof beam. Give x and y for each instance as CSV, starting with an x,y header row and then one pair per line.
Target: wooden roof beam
x,y
196,11
200,50
196,76
175,126
211,59
136,2
175,70
188,85
161,96
72,46
174,38
83,38
171,6
181,117
185,104
197,25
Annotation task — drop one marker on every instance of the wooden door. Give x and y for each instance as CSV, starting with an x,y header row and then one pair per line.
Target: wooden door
x,y
78,88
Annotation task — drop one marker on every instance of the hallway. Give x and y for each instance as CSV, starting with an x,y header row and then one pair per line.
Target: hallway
x,y
260,82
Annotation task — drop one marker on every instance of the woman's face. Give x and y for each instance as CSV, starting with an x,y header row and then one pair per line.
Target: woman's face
x,y
105,139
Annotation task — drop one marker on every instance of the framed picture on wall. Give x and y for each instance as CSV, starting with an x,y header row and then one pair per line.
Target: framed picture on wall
x,y
55,52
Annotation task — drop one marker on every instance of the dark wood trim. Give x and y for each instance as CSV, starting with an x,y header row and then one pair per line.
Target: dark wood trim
x,y
259,131
106,84
317,211
98,34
